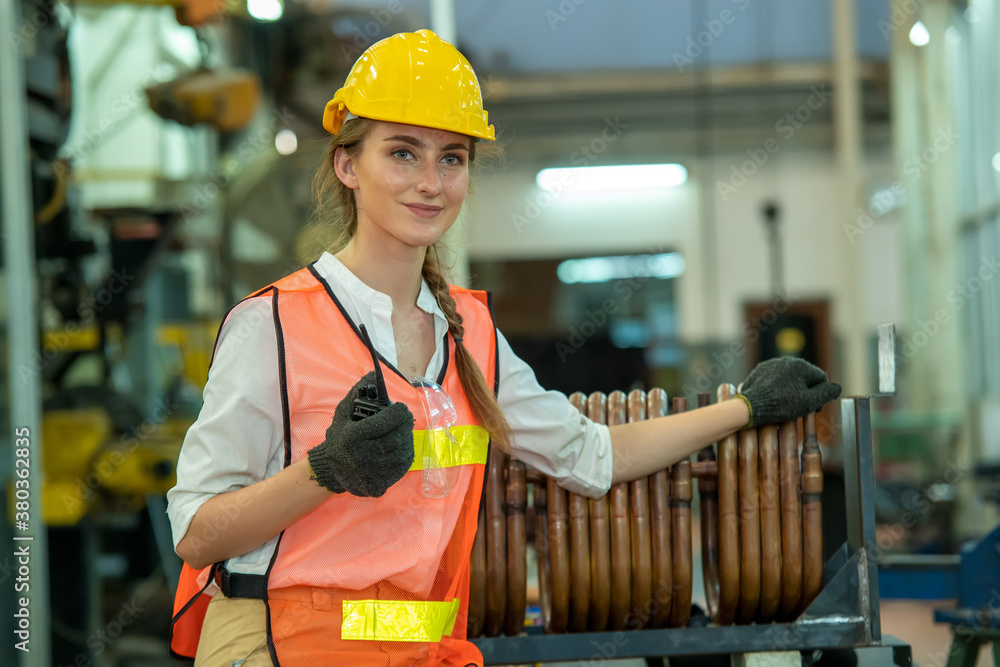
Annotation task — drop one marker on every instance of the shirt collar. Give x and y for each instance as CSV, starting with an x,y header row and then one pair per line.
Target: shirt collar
x,y
328,264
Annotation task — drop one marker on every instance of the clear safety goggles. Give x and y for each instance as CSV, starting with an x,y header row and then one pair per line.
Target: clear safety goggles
x,y
440,447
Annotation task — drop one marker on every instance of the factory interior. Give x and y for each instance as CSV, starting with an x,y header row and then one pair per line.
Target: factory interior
x,y
678,192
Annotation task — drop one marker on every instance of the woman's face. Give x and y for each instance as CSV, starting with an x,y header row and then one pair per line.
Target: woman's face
x,y
409,182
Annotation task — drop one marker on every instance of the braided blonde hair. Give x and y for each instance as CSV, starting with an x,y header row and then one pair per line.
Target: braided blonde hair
x,y
337,211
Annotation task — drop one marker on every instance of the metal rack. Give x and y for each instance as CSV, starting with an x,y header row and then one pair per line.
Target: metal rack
x,y
845,615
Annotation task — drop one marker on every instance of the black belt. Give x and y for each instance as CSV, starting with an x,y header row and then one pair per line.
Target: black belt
x,y
237,585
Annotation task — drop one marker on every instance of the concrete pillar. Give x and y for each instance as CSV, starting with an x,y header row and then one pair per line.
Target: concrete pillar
x,y
24,441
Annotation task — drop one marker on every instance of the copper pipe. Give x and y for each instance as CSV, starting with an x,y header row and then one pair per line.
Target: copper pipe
x,y
642,575
539,499
770,524
659,527
621,551
559,555
579,562
729,525
600,537
517,533
706,471
749,528
791,521
534,476
477,578
680,506
496,545
812,514
579,554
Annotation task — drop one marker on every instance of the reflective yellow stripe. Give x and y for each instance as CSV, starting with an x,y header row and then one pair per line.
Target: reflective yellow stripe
x,y
471,447
398,620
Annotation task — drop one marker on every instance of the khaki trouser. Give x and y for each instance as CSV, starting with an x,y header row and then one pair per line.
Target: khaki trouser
x,y
234,634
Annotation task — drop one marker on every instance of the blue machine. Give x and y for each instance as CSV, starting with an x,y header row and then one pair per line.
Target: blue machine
x,y
972,578
976,621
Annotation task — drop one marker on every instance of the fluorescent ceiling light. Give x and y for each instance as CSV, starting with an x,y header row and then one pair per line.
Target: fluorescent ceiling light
x,y
619,177
265,10
604,269
919,35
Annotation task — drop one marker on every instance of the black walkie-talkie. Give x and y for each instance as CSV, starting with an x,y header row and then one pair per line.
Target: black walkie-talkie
x,y
372,398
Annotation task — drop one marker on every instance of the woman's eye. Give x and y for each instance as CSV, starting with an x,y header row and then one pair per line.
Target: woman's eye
x,y
452,159
402,154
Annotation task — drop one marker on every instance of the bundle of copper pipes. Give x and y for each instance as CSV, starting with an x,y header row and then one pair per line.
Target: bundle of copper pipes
x,y
623,561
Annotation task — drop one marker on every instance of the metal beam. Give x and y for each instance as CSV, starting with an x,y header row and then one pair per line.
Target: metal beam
x,y
601,646
531,88
859,490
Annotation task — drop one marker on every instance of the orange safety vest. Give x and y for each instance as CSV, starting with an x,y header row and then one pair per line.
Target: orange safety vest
x,y
364,581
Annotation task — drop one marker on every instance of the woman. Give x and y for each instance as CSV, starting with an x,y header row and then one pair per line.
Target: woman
x,y
329,551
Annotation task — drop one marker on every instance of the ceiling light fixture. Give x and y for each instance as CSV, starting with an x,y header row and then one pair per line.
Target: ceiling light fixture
x,y
286,142
618,177
919,35
605,269
265,10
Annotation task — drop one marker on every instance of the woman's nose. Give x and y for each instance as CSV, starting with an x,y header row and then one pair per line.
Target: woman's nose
x,y
429,179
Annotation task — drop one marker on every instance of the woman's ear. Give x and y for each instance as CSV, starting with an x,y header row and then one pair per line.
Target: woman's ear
x,y
343,164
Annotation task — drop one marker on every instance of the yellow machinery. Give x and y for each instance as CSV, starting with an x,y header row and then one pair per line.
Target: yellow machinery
x,y
88,465
189,12
85,462
226,100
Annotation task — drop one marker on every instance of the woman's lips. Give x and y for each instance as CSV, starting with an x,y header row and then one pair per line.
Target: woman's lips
x,y
424,210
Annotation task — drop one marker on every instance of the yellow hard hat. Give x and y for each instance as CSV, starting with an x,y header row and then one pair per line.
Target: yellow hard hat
x,y
415,78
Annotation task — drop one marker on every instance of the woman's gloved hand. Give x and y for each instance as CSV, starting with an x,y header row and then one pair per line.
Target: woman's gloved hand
x,y
365,457
782,390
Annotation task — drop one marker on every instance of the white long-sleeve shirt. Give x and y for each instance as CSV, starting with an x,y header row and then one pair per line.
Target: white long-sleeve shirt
x,y
238,437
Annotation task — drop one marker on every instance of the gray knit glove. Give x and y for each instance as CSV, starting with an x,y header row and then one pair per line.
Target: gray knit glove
x,y
782,390
365,457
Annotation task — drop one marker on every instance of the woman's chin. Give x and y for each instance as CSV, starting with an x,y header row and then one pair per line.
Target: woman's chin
x,y
423,238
